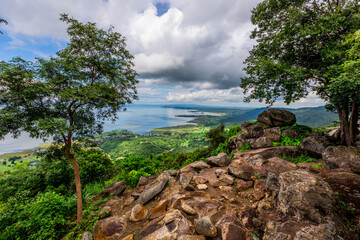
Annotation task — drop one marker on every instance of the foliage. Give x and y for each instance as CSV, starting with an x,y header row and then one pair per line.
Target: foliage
x,y
288,141
301,48
216,136
233,131
303,130
44,217
244,148
318,166
222,148
303,158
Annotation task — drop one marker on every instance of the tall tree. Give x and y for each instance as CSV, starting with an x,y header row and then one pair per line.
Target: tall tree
x,y
300,48
68,97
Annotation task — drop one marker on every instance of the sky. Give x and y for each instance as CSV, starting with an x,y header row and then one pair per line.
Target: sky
x,y
186,51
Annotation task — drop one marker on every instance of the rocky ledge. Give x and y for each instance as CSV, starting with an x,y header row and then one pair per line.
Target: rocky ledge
x,y
256,195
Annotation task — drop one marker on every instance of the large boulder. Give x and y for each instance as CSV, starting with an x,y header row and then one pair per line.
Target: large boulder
x,y
261,142
342,157
230,228
221,160
275,165
346,183
109,228
240,168
274,134
315,146
277,118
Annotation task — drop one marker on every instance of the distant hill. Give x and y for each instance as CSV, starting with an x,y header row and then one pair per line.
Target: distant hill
x,y
310,116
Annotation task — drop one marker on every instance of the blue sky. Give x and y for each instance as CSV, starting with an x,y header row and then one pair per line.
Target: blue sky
x,y
185,51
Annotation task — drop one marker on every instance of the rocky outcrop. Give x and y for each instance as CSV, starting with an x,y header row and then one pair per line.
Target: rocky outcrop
x,y
266,153
342,157
315,146
221,160
277,118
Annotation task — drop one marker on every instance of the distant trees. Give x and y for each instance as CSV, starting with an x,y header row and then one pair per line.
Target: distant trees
x,y
70,95
303,46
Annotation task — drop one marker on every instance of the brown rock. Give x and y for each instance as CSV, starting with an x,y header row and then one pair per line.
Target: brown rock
x,y
241,169
204,226
153,190
159,209
266,153
274,134
187,208
112,227
229,180
129,237
115,189
105,212
259,189
247,214
276,165
244,185
315,146
207,207
190,237
198,165
138,213
220,171
342,157
176,223
277,118
221,160
200,180
202,186
261,142
185,179
226,188
346,183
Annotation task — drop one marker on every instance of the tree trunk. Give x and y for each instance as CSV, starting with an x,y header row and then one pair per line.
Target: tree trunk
x,y
77,185
348,124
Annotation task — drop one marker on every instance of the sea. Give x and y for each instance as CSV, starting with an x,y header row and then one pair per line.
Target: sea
x,y
137,118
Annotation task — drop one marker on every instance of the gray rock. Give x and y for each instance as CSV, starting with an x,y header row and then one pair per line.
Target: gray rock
x,y
198,165
342,157
274,134
291,133
185,179
87,236
204,226
221,160
218,172
150,192
277,117
315,146
261,142
241,169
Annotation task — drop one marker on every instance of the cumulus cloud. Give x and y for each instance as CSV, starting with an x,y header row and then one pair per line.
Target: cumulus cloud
x,y
195,43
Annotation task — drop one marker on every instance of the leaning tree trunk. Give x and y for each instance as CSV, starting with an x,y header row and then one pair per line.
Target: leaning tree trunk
x,y
77,185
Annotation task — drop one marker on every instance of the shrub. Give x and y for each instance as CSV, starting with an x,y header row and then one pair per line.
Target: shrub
x,y
246,147
216,135
303,158
287,141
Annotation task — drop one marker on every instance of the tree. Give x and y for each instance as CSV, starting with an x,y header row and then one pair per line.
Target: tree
x,y
70,95
300,48
3,21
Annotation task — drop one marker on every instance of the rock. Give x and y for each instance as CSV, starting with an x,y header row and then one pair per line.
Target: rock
x,y
159,209
153,190
241,169
138,213
204,226
305,196
266,153
342,157
162,233
277,118
187,208
261,142
185,179
144,180
274,134
115,189
198,165
315,147
221,160
190,237
202,186
176,223
335,134
229,228
259,189
226,178
226,188
346,183
245,125
291,133
276,165
173,173
218,172
129,200
200,180
244,185
256,160
129,237
272,184
87,236
321,231
254,131
247,214
207,207
112,227
105,212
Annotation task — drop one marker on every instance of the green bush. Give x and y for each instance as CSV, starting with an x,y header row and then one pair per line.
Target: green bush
x,y
222,148
303,158
246,147
217,136
233,131
287,141
302,129
44,217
